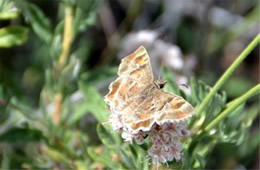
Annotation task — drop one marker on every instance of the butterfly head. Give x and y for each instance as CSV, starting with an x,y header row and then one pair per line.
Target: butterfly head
x,y
160,83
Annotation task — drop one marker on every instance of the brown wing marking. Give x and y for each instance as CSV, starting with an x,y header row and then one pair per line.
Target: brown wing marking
x,y
119,94
144,125
133,62
134,75
159,107
174,110
140,115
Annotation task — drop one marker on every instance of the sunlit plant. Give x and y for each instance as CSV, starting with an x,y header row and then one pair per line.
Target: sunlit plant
x,y
66,125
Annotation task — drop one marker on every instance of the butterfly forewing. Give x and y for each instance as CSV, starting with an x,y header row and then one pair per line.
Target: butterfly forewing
x,y
134,75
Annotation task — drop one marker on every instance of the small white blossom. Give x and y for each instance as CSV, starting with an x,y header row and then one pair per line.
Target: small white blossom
x,y
116,122
127,136
139,137
165,140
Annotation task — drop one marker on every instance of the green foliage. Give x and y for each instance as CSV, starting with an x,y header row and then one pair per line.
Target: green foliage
x,y
65,126
35,17
12,35
8,10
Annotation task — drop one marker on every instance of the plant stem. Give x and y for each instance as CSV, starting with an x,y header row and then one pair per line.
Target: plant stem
x,y
228,73
67,38
57,108
255,90
66,44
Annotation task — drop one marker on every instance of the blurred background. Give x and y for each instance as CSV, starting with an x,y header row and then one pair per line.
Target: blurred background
x,y
198,38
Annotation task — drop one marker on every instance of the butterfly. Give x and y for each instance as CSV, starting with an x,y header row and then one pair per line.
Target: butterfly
x,y
139,100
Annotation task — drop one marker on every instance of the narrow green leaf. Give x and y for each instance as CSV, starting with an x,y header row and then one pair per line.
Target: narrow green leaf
x,y
12,35
56,155
99,75
56,43
199,91
8,10
133,150
127,160
90,20
27,111
232,106
70,72
94,102
201,160
103,158
105,137
194,96
5,96
5,162
170,85
39,22
19,135
79,110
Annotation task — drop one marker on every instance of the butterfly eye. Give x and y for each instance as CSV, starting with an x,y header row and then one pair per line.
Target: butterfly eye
x,y
161,85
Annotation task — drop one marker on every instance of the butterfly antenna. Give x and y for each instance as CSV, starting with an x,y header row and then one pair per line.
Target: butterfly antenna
x,y
160,72
184,85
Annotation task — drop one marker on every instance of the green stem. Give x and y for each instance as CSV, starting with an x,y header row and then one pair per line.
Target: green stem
x,y
67,38
255,90
228,73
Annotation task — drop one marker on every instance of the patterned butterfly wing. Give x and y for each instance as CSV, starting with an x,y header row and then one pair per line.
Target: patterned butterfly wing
x,y
134,75
157,107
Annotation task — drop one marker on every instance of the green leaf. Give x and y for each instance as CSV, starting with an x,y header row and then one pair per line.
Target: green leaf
x,y
39,22
186,161
194,97
170,85
199,91
251,145
201,160
231,129
27,111
70,72
133,150
103,158
105,137
8,10
56,155
5,162
81,165
215,106
5,96
99,75
90,20
21,136
94,102
140,156
12,35
127,161
56,43
79,110
231,86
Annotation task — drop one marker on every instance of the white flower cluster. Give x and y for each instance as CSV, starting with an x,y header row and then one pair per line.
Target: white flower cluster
x,y
165,139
